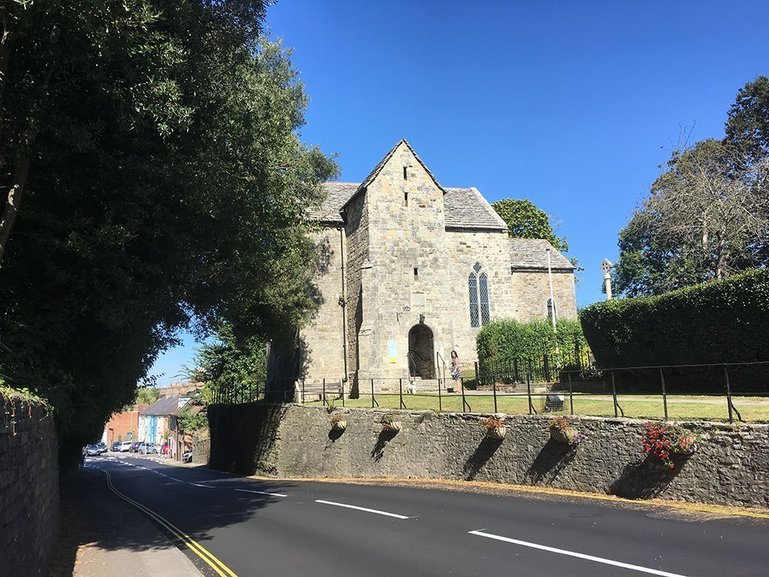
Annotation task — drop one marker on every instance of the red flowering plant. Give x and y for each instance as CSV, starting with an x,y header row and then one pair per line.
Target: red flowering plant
x,y
665,441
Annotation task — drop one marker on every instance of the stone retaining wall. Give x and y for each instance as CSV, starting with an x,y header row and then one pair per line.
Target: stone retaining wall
x,y
731,466
29,488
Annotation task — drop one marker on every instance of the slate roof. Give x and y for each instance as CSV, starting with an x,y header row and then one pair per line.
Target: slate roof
x,y
162,407
337,194
466,208
531,253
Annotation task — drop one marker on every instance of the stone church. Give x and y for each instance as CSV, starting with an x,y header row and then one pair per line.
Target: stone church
x,y
415,270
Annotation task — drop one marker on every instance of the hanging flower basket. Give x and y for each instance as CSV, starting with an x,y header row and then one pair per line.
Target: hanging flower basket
x,y
494,426
561,431
390,424
668,443
338,422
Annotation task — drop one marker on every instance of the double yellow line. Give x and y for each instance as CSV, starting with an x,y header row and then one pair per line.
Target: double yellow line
x,y
209,558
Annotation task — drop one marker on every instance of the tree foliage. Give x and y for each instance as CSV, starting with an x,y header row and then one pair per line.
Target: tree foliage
x,y
164,184
707,215
747,126
147,395
233,365
706,218
525,220
190,421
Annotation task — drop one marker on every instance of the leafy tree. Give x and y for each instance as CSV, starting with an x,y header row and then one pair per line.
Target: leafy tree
x,y
525,220
190,421
164,186
147,395
230,365
747,126
707,217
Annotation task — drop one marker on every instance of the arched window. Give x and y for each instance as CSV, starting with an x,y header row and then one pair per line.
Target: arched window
x,y
478,287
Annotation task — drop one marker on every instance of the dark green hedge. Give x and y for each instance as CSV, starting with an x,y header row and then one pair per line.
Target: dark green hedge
x,y
716,322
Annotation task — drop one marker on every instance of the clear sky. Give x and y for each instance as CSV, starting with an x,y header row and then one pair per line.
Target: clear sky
x,y
573,105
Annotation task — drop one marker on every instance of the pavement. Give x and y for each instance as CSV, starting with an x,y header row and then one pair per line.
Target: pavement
x,y
103,536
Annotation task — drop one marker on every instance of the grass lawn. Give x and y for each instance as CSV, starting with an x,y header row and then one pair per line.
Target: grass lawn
x,y
680,407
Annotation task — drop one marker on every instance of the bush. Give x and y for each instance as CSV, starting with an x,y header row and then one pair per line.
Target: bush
x,y
504,342
711,323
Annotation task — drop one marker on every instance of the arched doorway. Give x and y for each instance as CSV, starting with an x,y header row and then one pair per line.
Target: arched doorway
x,y
421,352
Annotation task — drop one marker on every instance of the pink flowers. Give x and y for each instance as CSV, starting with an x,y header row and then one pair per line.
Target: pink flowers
x,y
664,441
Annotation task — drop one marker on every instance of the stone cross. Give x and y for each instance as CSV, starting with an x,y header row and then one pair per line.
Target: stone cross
x,y
606,267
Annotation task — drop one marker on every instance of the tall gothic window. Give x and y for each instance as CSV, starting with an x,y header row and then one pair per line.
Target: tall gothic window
x,y
478,287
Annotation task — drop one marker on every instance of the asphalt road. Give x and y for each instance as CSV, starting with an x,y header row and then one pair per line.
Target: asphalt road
x,y
246,527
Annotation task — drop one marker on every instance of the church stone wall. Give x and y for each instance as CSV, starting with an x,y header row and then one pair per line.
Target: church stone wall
x,y
322,342
357,232
407,233
491,251
531,292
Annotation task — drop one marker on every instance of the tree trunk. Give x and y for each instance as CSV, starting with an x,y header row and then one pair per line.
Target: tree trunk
x,y
11,209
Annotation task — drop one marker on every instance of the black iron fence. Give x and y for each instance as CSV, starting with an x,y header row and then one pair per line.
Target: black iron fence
x,y
545,367
654,392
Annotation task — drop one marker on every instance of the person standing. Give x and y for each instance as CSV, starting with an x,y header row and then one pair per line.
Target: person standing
x,y
456,373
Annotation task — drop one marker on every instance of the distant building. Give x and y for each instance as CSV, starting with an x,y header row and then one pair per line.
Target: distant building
x,y
415,269
158,422
123,426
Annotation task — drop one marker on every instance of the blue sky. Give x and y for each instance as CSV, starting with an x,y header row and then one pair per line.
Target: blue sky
x,y
572,105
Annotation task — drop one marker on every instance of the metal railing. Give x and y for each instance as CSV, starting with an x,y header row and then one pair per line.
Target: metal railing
x,y
734,392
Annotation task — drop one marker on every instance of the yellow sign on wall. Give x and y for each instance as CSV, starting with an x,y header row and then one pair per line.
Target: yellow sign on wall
x,y
392,351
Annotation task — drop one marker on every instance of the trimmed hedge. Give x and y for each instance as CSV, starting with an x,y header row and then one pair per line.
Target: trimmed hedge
x,y
501,342
716,322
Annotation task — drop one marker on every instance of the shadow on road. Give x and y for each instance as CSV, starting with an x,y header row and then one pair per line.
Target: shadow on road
x,y
93,517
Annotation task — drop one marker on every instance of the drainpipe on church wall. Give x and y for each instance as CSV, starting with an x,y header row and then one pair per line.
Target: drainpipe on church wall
x,y
343,300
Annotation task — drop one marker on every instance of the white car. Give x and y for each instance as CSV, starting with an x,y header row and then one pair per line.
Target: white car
x,y
125,446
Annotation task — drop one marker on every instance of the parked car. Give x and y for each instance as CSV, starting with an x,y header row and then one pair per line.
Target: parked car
x,y
91,450
187,457
116,447
125,446
102,447
135,446
147,448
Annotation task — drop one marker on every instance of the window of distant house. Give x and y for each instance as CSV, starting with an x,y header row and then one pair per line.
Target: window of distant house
x,y
478,288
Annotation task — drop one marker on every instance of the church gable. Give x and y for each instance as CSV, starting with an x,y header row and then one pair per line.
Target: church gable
x,y
402,181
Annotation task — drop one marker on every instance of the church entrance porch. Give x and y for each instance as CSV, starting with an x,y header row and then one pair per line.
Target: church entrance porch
x,y
421,352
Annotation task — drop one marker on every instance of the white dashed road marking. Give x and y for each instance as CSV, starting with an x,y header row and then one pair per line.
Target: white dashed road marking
x,y
638,568
365,509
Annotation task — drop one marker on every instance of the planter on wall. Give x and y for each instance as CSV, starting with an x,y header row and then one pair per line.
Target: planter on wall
x,y
340,425
496,432
392,427
562,436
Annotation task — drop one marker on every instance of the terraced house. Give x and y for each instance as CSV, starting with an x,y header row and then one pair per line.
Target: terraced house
x,y
415,269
